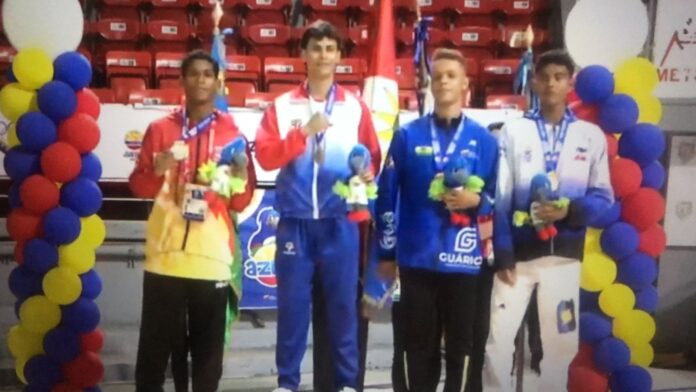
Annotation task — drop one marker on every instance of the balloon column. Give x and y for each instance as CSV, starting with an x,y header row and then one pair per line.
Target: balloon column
x,y
54,199
620,266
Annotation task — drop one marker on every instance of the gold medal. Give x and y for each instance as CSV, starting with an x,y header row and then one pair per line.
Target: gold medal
x,y
553,178
319,154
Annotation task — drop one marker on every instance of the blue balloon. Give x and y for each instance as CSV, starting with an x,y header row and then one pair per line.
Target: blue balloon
x,y
619,240
9,74
589,301
644,143
62,344
607,217
36,388
647,299
81,195
594,327
36,131
61,226
74,69
91,284
13,196
637,271
618,113
91,167
57,100
81,316
631,379
40,256
43,371
24,282
611,354
20,163
654,176
594,84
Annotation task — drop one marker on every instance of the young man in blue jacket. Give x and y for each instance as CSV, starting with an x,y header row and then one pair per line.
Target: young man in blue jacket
x,y
438,257
553,178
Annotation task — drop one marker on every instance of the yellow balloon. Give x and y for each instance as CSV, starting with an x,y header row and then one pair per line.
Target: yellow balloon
x,y
15,101
636,76
93,231
24,344
597,272
32,68
642,355
617,299
62,285
635,327
39,315
19,369
649,109
592,244
77,255
12,139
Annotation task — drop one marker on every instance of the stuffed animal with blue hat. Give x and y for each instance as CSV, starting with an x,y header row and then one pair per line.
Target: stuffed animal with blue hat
x,y
455,175
541,192
219,174
354,190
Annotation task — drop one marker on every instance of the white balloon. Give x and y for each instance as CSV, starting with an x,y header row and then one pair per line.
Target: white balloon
x,y
56,26
606,32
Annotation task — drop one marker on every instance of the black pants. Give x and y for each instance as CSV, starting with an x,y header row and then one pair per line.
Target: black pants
x,y
436,305
398,372
484,289
324,380
180,359
167,303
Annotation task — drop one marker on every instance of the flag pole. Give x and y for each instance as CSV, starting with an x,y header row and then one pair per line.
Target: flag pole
x,y
421,58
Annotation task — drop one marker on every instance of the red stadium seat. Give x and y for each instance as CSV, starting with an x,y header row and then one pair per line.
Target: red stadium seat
x,y
497,75
245,69
204,24
115,34
122,87
517,102
136,65
358,42
124,9
268,40
475,42
405,74
282,73
168,67
168,36
237,92
332,11
405,40
260,100
265,11
351,72
156,97
106,95
209,4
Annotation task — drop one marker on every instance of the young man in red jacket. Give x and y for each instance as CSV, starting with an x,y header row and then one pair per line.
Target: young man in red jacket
x,y
308,134
190,237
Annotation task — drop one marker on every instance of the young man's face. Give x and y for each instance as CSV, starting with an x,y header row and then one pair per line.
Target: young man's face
x,y
200,82
322,56
449,81
552,84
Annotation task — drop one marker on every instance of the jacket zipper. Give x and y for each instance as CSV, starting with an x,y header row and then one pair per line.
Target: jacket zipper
x,y
188,222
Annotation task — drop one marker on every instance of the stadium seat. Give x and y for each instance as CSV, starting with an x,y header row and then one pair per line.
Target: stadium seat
x,y
168,67
351,72
259,100
123,9
332,11
408,100
122,87
513,37
405,74
115,34
244,69
517,102
137,65
204,24
106,95
237,92
168,36
282,73
497,76
156,97
358,42
209,4
405,41
265,11
267,40
474,42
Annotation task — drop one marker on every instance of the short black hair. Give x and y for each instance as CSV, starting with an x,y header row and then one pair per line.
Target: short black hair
x,y
556,57
198,55
319,30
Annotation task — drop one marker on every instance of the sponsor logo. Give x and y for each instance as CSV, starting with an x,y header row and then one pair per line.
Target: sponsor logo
x,y
388,240
289,249
261,250
566,316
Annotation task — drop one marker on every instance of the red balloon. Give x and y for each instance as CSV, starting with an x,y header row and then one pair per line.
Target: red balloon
x,y
92,341
65,387
643,208
39,194
84,371
626,177
585,112
19,252
23,225
572,97
80,130
583,375
88,103
612,145
61,162
653,241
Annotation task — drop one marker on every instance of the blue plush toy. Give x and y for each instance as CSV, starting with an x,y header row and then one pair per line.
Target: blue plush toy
x,y
356,191
541,192
219,175
456,175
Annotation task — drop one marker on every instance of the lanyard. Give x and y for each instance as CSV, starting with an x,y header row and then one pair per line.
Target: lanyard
x,y
328,108
552,153
440,160
187,134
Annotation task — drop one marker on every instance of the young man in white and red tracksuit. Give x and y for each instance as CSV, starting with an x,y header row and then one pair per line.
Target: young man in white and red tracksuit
x,y
308,133
549,142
